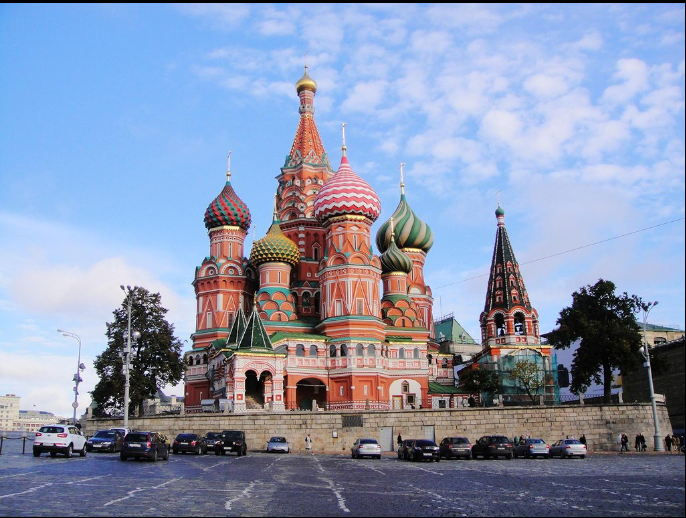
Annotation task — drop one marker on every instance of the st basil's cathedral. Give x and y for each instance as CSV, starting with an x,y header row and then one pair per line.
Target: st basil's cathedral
x,y
313,319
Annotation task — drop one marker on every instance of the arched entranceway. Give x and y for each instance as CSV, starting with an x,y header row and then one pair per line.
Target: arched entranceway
x,y
254,391
309,391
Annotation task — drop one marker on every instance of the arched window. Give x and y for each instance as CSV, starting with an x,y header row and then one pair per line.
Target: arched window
x,y
316,301
306,299
519,324
360,350
204,359
313,350
371,350
406,387
197,359
499,324
332,351
300,350
415,353
344,350
190,360
401,353
444,364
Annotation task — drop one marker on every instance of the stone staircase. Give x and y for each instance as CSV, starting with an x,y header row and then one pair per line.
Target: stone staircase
x,y
254,403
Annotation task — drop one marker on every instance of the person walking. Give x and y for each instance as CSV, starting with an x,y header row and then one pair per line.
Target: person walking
x,y
625,443
582,440
668,443
308,443
400,440
643,443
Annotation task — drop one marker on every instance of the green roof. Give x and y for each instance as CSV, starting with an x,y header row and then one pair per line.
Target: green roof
x,y
285,335
453,331
437,388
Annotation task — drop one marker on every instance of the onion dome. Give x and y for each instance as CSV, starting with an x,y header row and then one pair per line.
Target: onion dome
x,y
306,83
410,231
227,209
346,193
275,247
499,212
394,260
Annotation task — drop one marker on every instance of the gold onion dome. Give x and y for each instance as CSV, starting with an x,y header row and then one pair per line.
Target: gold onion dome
x,y
275,247
394,260
306,83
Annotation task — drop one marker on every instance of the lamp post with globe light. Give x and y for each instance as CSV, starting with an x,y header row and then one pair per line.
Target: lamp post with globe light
x,y
127,353
77,377
657,436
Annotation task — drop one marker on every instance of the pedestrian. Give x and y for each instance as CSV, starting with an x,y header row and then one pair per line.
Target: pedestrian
x,y
471,401
308,442
582,439
643,443
619,441
668,443
400,440
637,442
625,443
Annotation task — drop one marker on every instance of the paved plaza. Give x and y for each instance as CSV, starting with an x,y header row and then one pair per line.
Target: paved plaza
x,y
299,484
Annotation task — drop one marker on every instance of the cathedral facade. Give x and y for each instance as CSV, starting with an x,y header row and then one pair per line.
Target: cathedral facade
x,y
311,318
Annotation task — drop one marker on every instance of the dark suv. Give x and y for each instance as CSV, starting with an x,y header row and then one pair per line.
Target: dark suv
x,y
455,448
211,438
492,446
147,445
231,441
190,442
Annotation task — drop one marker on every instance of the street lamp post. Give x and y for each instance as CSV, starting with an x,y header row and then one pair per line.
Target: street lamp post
x,y
77,377
657,436
127,353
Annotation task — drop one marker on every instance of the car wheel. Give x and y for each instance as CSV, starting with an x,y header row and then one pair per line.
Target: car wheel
x,y
69,452
582,456
166,455
154,456
217,452
82,453
53,454
36,453
122,456
438,459
508,457
468,456
176,452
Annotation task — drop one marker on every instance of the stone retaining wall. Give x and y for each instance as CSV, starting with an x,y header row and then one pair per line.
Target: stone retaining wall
x,y
600,423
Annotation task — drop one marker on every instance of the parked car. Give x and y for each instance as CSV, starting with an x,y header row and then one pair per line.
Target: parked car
x,y
568,448
424,449
455,448
122,431
366,448
492,446
232,441
146,445
278,444
189,442
59,438
105,440
531,448
405,448
211,438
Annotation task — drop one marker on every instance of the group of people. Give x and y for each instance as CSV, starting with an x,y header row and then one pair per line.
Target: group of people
x,y
672,441
640,442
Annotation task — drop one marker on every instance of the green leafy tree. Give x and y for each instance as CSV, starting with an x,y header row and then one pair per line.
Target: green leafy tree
x,y
529,376
609,336
478,380
156,355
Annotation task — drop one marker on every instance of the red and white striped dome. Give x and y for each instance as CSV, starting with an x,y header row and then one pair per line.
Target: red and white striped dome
x,y
346,193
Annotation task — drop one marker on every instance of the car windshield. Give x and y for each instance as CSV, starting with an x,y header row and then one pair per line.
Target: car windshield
x,y
51,429
277,439
232,435
137,437
425,443
104,434
368,441
571,441
534,441
460,440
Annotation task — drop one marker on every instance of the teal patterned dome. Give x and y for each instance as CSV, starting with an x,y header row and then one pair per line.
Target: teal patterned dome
x,y
410,231
394,260
227,209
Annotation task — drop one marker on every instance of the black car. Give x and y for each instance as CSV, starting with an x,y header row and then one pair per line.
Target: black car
x,y
146,445
424,449
456,448
492,446
189,442
231,441
105,440
211,438
404,448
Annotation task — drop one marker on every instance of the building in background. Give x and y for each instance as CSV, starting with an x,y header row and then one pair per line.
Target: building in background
x,y
9,411
14,420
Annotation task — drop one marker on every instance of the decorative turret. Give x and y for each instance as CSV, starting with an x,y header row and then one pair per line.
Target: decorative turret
x,y
410,231
306,83
274,247
393,260
227,209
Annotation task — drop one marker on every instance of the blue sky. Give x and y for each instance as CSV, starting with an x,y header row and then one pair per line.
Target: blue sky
x,y
117,119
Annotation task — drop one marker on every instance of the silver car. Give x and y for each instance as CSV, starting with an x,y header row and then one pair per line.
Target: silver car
x,y
278,444
532,448
366,448
568,448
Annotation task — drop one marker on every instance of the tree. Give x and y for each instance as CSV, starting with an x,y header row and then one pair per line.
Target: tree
x,y
156,355
529,376
478,380
609,336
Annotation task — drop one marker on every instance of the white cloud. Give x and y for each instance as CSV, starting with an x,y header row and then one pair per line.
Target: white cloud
x,y
634,75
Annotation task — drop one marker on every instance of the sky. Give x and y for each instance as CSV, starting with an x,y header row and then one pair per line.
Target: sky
x,y
117,120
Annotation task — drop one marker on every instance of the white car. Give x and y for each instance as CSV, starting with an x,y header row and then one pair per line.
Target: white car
x,y
366,448
59,438
278,444
568,448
